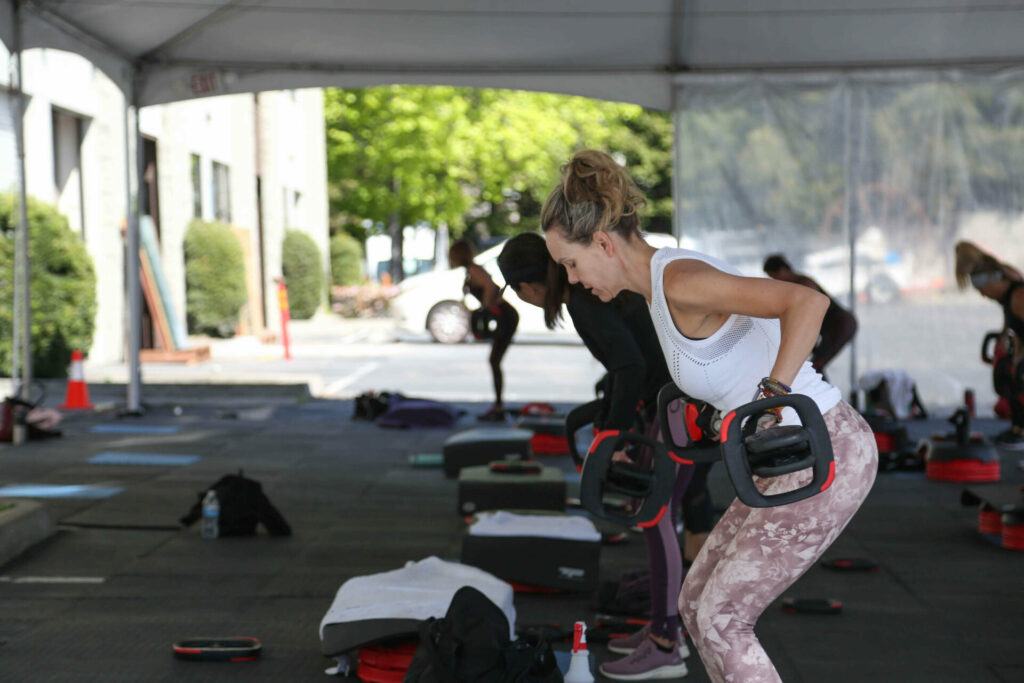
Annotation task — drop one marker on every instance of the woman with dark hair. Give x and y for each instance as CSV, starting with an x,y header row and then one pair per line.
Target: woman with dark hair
x,y
480,285
1003,284
621,337
727,340
838,326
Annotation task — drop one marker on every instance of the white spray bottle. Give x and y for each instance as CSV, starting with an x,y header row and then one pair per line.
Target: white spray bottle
x,y
579,665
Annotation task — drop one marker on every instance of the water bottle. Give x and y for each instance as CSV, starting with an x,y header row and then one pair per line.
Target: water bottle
x,y
211,515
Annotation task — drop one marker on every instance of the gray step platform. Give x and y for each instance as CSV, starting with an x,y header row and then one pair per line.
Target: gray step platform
x,y
484,445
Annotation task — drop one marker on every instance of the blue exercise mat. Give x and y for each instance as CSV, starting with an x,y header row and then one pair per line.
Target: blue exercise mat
x,y
52,491
153,459
134,429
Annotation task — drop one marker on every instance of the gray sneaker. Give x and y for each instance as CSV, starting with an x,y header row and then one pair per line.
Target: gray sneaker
x,y
1010,440
626,645
646,663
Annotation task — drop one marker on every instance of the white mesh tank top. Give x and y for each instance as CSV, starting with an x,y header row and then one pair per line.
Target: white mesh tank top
x,y
725,368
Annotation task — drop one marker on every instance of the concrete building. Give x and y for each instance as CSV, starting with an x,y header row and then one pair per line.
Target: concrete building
x,y
254,161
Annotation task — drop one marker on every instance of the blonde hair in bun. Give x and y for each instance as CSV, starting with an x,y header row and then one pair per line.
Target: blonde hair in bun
x,y
595,193
971,259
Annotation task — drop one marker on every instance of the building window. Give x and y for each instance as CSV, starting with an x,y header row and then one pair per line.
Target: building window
x,y
67,167
222,192
197,187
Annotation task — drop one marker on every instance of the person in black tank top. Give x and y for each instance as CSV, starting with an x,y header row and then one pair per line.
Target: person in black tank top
x,y
1003,284
480,285
839,325
621,336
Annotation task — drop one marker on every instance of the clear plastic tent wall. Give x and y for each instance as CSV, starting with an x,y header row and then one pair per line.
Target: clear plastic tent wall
x,y
894,168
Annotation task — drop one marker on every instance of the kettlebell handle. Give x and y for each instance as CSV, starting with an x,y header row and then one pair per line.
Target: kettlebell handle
x,y
736,452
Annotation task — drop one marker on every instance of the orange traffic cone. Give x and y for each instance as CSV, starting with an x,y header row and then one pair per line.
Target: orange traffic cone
x,y
77,396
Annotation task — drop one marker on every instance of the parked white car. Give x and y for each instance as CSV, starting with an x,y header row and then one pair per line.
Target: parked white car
x,y
434,302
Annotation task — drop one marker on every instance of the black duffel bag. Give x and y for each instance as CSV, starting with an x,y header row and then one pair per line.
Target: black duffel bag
x,y
471,644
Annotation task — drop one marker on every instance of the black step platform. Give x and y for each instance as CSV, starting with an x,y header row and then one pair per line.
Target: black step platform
x,y
484,487
484,445
530,549
548,433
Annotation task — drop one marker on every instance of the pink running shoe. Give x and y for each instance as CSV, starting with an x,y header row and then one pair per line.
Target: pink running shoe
x,y
646,663
626,645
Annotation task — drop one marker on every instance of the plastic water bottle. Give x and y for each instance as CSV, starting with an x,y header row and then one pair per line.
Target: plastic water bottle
x,y
579,665
211,515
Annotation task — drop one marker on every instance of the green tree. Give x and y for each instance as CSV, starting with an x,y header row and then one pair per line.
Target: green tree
x,y
390,157
62,285
346,259
214,279
644,138
303,274
402,154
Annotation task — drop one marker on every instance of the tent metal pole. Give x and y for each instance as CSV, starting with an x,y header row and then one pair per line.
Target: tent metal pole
x,y
677,176
133,399
849,225
21,357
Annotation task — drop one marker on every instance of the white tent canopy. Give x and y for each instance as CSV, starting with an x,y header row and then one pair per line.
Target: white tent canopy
x,y
160,51
599,48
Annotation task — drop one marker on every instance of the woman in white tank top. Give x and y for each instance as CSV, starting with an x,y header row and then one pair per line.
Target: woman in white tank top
x,y
727,339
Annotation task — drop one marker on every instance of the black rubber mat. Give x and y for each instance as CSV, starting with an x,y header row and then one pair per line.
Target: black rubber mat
x,y
943,606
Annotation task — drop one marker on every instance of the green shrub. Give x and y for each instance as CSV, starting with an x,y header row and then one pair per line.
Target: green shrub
x,y
303,274
214,279
346,260
62,285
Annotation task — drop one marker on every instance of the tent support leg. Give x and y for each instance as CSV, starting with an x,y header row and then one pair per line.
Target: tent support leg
x,y
133,399
21,356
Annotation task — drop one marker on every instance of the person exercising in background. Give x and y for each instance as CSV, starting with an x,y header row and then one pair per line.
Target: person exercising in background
x,y
480,285
839,325
621,336
1003,284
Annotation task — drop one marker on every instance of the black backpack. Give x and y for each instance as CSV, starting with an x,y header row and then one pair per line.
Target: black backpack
x,y
243,505
471,644
371,404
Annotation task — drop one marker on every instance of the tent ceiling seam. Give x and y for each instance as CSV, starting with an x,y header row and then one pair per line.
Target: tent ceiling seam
x,y
73,30
153,55
407,68
981,63
675,38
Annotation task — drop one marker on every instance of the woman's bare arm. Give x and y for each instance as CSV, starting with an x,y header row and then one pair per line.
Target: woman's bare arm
x,y
482,279
695,290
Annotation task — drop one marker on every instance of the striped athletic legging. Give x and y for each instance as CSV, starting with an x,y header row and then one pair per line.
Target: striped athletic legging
x,y
754,554
664,555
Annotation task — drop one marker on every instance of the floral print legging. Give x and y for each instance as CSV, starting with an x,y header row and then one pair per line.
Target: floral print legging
x,y
754,554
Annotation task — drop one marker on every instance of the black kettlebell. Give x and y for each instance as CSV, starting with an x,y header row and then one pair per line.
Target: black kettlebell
x,y
777,451
766,454
576,419
482,323
650,485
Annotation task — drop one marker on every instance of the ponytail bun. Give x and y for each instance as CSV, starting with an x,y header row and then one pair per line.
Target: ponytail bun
x,y
970,259
595,193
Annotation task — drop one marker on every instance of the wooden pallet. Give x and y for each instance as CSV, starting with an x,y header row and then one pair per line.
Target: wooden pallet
x,y
187,356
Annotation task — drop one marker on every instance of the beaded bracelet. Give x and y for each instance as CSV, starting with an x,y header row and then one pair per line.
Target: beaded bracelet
x,y
770,386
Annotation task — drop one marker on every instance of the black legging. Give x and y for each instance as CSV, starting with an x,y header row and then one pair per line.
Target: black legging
x,y
1012,389
508,321
698,515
